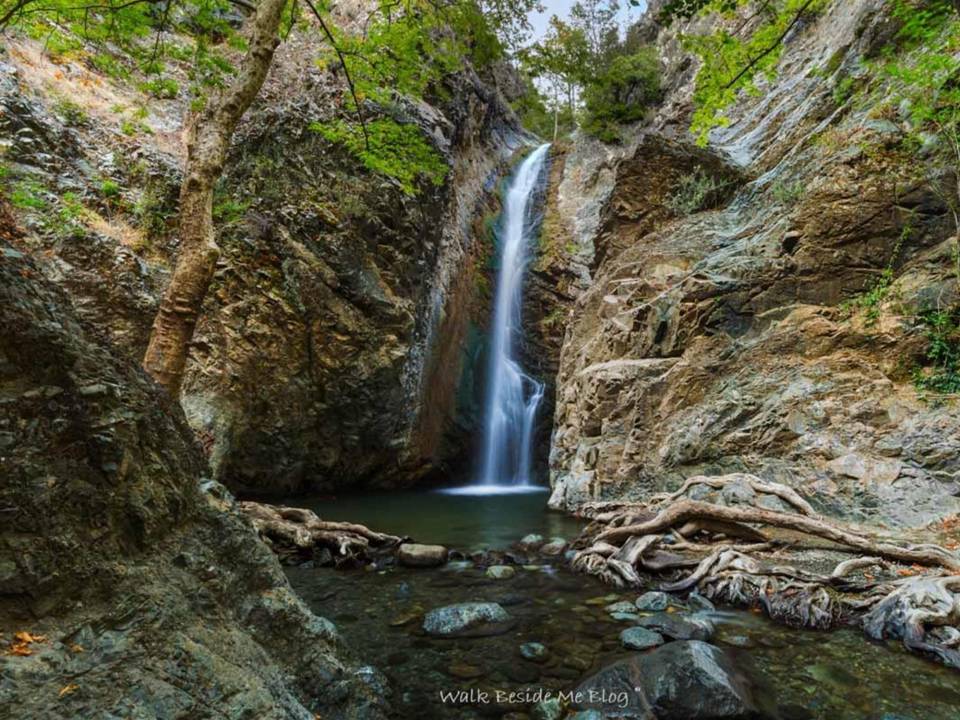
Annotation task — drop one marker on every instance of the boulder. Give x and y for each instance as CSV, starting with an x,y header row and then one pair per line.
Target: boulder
x,y
684,680
555,547
467,620
414,555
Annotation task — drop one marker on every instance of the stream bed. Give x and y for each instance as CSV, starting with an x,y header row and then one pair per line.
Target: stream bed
x,y
797,675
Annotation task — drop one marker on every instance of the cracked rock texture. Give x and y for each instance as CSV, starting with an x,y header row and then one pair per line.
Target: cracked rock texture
x,y
719,342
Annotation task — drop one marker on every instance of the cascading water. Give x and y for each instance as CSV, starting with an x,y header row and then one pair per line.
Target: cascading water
x,y
512,396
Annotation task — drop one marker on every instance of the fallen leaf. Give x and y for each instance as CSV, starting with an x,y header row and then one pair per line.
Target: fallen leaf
x,y
76,648
68,689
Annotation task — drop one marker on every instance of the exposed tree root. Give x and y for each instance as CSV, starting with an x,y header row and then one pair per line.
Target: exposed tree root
x,y
297,533
722,551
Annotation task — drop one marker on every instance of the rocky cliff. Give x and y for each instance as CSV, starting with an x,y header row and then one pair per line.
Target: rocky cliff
x,y
738,338
129,585
317,363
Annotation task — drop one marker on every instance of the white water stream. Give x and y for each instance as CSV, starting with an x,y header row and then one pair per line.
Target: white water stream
x,y
513,397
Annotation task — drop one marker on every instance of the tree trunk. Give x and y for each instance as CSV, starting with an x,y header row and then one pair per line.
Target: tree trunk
x,y
556,114
207,146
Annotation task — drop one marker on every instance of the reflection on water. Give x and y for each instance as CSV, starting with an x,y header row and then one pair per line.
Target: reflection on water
x,y
463,522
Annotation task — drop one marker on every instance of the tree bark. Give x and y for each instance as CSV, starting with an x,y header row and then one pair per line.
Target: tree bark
x,y
207,146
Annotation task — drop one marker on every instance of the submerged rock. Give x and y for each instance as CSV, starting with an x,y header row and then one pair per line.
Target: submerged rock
x,y
534,651
686,680
531,541
414,555
678,627
640,638
556,546
653,601
467,620
500,572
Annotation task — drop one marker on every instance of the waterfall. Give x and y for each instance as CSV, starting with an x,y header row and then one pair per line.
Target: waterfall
x,y
512,396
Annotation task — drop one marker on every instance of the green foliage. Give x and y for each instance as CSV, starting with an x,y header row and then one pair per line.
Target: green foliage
x,y
623,93
67,219
871,300
72,114
109,189
228,211
161,87
941,373
694,191
786,192
731,64
398,151
28,195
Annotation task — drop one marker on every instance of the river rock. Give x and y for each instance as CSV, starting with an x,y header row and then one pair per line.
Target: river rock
x,y
623,606
556,546
414,555
654,601
531,541
500,572
534,651
467,620
640,638
684,680
678,627
549,709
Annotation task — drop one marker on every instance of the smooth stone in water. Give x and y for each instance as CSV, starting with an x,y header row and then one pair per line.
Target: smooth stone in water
x,y
699,602
586,715
550,709
678,627
625,616
467,620
531,541
464,671
683,680
556,546
624,606
414,555
639,638
500,572
537,652
654,601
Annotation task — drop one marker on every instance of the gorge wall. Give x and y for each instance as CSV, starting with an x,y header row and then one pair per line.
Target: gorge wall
x,y
726,340
317,363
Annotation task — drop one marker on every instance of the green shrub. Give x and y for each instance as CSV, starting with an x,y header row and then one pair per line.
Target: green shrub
x,y
28,195
622,94
786,192
694,191
72,114
161,87
941,374
397,150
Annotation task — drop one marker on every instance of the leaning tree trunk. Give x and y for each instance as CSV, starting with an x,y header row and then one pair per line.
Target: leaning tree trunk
x,y
207,146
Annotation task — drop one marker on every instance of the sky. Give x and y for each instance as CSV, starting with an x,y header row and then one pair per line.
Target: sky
x,y
562,8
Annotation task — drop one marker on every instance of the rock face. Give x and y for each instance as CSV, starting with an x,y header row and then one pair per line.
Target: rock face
x,y
680,681
719,342
317,363
467,620
155,597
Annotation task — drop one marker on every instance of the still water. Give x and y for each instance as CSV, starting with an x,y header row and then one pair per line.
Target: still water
x,y
798,675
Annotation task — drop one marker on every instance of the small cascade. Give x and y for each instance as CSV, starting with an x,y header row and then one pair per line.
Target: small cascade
x,y
513,397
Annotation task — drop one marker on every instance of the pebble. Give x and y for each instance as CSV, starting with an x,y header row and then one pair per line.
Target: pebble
x,y
465,671
624,606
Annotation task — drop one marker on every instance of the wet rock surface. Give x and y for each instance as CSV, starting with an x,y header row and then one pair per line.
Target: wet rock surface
x,y
467,620
687,680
